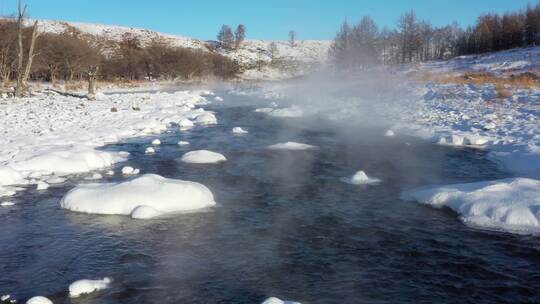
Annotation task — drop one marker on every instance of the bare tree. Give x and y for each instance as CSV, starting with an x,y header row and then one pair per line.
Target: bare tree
x,y
239,35
226,37
24,71
273,50
292,38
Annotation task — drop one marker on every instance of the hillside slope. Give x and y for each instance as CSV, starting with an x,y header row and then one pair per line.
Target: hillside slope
x,y
305,53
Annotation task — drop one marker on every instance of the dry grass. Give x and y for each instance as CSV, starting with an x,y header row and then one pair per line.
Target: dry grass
x,y
502,82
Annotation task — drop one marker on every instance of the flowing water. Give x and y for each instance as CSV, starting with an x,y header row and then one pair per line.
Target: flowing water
x,y
286,226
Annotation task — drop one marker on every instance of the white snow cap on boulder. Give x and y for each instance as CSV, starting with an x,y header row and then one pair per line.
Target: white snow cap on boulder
x,y
274,300
156,142
239,130
361,178
291,145
203,157
152,191
206,118
508,204
81,287
39,300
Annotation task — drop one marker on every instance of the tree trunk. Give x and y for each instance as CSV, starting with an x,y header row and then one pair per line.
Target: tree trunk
x,y
92,74
24,72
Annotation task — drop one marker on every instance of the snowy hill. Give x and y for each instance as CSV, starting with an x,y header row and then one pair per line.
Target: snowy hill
x,y
305,52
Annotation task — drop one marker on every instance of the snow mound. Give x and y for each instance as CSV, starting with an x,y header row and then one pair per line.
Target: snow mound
x,y
151,191
239,130
206,119
39,300
127,170
511,204
81,287
274,300
203,157
291,145
361,178
149,150
156,142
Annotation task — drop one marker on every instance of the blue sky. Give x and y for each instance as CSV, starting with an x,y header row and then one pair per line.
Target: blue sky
x,y
267,19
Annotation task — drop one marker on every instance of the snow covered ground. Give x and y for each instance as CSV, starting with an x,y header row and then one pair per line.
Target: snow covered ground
x,y
47,137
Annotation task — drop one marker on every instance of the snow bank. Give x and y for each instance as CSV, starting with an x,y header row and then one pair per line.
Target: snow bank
x,y
39,300
75,160
239,130
509,204
361,178
81,287
274,300
291,145
52,134
150,190
9,176
203,157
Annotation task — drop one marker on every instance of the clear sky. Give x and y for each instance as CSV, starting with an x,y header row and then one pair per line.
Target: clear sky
x,y
264,19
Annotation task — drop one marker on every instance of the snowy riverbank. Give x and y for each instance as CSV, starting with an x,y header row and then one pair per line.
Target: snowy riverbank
x,y
46,137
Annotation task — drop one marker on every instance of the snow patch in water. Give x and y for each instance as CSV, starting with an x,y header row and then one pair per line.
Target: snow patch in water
x,y
274,300
39,300
239,130
361,178
81,287
291,145
151,191
511,204
203,157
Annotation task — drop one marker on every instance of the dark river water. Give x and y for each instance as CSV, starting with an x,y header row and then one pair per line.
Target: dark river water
x,y
286,226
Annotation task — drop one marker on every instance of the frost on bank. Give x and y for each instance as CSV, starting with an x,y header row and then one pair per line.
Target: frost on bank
x,y
144,197
508,204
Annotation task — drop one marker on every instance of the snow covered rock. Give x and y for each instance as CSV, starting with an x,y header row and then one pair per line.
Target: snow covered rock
x,y
7,204
156,142
203,157
127,170
81,287
151,191
361,178
239,130
274,300
39,300
183,143
290,145
206,118
389,133
42,186
150,150
144,212
511,204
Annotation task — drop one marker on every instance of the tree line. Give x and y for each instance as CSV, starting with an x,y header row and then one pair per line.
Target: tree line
x,y
414,40
27,54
